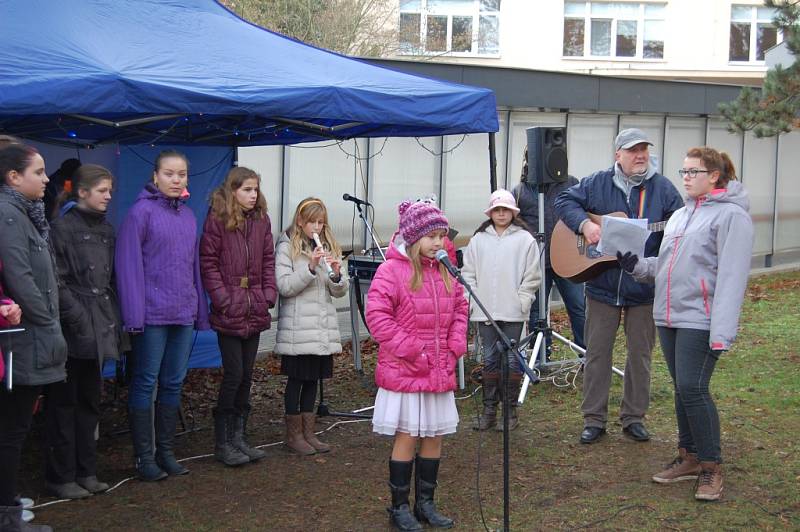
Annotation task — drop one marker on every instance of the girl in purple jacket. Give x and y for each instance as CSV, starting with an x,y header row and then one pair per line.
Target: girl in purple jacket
x,y
418,315
237,261
161,301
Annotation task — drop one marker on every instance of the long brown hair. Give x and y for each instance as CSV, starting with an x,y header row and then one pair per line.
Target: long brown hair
x,y
414,255
311,209
224,205
715,160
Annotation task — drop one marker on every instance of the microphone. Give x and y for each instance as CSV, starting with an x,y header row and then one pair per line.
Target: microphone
x,y
322,261
442,257
348,197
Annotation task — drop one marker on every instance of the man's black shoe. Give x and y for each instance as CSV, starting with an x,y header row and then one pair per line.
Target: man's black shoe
x,y
591,434
637,432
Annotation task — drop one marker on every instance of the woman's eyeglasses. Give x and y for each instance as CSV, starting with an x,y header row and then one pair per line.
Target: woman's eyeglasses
x,y
691,172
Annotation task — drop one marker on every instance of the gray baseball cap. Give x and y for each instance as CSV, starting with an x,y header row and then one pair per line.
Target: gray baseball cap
x,y
628,138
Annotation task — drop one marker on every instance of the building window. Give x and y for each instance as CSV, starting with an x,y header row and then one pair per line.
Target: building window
x,y
752,33
614,30
459,27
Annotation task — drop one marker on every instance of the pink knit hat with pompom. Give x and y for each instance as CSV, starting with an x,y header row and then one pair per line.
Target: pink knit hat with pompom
x,y
419,218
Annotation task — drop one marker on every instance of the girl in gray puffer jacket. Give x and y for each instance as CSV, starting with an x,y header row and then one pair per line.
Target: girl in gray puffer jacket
x,y
700,280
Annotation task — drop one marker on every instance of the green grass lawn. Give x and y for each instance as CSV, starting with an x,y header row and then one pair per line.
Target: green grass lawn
x,y
560,484
556,483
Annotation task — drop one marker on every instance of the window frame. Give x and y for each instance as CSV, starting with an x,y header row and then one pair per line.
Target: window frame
x,y
753,44
475,12
587,18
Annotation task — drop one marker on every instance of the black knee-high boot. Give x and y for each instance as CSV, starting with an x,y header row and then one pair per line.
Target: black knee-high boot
x,y
400,486
166,423
425,474
142,432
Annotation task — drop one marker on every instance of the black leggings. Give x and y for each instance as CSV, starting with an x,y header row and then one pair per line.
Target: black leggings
x,y
299,396
16,413
238,357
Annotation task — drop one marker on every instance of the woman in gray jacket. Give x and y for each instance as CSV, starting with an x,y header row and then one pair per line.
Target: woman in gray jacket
x,y
29,277
700,280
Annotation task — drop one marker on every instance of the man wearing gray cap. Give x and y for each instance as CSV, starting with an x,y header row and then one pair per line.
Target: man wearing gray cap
x,y
631,186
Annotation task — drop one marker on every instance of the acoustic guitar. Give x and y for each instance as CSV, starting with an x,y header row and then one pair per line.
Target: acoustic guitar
x,y
574,259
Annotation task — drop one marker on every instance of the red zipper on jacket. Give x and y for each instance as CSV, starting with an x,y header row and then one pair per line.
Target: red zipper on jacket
x,y
247,272
669,277
672,259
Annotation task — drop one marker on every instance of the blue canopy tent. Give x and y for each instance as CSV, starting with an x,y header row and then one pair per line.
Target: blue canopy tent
x,y
89,73
192,72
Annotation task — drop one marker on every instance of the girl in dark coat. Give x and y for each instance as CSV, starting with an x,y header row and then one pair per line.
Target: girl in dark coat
x,y
29,277
84,245
237,263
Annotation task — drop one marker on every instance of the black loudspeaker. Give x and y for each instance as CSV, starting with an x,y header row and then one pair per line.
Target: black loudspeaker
x,y
547,155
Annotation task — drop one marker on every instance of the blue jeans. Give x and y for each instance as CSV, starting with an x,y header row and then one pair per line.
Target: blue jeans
x,y
691,362
162,356
573,297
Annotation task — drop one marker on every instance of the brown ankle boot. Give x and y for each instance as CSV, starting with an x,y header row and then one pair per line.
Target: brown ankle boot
x,y
294,436
309,420
684,467
709,482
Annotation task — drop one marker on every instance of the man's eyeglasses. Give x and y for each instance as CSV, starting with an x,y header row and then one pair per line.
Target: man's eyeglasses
x,y
691,172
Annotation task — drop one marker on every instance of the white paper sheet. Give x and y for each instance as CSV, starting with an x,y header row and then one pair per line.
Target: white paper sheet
x,y
623,235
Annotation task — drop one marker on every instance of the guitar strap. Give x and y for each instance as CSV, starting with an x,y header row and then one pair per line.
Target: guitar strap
x,y
642,195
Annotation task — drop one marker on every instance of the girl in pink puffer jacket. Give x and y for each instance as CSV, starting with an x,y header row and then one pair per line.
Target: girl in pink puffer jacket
x,y
418,315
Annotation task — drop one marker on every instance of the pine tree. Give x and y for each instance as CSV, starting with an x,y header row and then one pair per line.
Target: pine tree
x,y
777,108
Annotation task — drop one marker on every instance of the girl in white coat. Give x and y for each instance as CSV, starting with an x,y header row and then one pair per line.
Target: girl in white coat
x,y
308,330
501,264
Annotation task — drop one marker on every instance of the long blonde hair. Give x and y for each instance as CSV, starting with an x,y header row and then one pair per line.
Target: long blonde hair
x,y
224,205
311,209
416,262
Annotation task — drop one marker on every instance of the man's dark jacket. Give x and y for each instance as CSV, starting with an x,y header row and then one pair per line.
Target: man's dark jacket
x,y
597,193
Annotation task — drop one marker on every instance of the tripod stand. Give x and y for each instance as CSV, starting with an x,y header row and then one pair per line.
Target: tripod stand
x,y
323,409
541,330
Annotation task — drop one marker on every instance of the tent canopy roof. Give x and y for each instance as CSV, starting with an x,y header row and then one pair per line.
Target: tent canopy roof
x,y
192,72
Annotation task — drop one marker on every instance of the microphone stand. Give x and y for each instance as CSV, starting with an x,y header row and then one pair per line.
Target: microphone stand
x,y
322,408
370,230
504,346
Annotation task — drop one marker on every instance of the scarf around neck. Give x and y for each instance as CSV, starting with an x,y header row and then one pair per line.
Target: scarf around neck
x,y
33,208
626,183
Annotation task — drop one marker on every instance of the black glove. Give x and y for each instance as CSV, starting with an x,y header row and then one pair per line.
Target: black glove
x,y
627,261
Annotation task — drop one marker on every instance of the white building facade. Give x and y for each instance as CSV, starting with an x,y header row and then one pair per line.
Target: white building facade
x,y
699,40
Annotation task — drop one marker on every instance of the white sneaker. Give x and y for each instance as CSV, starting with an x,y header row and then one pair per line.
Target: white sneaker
x,y
27,516
26,502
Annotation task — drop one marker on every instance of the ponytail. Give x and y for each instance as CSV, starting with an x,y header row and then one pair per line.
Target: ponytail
x,y
728,172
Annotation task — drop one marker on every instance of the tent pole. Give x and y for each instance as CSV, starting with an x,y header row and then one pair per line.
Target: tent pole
x,y
492,163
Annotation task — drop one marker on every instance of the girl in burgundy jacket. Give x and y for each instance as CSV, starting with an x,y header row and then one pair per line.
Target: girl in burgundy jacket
x,y
237,263
418,315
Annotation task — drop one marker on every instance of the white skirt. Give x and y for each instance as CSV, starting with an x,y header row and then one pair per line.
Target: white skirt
x,y
420,414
